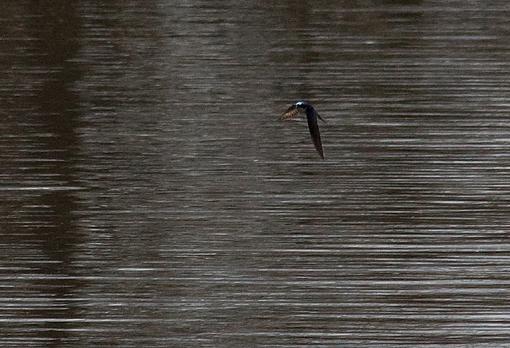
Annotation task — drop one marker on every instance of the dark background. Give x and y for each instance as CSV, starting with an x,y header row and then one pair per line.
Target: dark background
x,y
151,197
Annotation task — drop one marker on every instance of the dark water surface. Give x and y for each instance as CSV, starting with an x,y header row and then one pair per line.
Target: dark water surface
x,y
151,198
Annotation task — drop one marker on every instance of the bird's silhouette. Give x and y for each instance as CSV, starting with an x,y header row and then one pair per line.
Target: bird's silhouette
x,y
311,116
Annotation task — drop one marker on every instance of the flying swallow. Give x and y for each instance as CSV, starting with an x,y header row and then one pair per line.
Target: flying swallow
x,y
311,117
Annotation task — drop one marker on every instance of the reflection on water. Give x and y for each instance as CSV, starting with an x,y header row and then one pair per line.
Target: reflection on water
x,y
151,197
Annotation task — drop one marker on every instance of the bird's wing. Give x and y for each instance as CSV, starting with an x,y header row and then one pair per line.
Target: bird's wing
x,y
291,112
314,132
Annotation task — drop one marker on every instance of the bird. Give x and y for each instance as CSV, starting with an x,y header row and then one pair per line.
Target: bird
x,y
311,117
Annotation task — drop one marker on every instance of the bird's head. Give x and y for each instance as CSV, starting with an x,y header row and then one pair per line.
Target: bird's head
x,y
301,104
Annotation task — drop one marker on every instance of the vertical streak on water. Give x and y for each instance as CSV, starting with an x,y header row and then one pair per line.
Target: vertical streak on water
x,y
40,227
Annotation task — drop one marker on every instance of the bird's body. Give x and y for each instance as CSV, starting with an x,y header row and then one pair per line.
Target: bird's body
x,y
311,116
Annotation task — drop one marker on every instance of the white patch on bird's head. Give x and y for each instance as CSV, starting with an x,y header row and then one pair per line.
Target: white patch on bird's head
x,y
300,104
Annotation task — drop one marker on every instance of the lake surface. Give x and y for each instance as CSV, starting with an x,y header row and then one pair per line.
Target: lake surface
x,y
152,198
